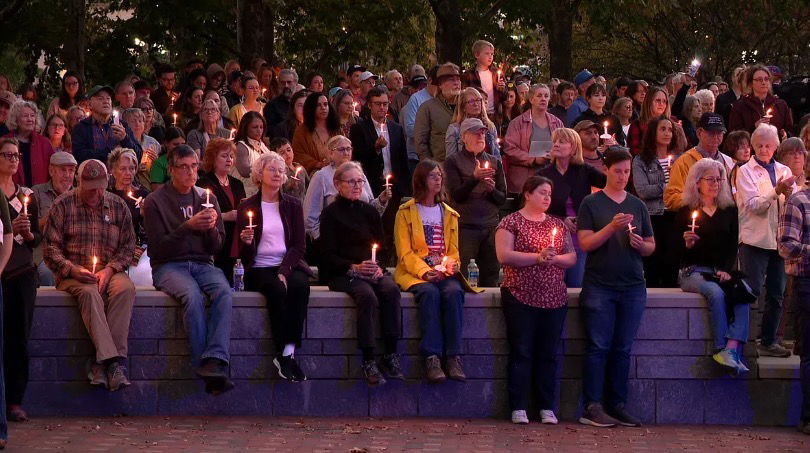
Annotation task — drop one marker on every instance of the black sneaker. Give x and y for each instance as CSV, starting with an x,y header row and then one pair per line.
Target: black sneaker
x,y
218,387
214,372
595,415
372,373
288,368
625,418
391,367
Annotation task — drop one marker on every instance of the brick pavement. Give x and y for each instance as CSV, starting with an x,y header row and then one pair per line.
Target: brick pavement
x,y
360,435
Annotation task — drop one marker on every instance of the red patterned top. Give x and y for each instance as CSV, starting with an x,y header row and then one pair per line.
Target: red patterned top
x,y
540,286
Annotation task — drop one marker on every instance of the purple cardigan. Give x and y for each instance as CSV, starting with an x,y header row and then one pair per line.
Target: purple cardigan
x,y
292,217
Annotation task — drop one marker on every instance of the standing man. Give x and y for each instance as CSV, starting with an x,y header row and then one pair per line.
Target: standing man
x,y
394,82
582,81
566,93
367,81
485,75
89,243
407,116
184,234
435,114
97,135
163,94
276,110
125,95
353,77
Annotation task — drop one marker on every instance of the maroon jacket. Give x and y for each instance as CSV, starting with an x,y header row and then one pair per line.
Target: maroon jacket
x,y
292,216
41,151
749,109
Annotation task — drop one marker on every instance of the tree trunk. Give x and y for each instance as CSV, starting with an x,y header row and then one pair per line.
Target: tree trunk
x,y
73,53
449,32
560,34
255,31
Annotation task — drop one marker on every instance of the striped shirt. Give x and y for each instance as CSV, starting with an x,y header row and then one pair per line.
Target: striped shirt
x,y
665,163
793,235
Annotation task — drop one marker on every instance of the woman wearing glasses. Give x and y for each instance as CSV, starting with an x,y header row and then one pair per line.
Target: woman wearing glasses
x,y
708,253
207,128
351,228
759,105
322,189
471,106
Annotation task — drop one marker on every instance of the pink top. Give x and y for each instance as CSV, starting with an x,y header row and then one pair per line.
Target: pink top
x,y
536,286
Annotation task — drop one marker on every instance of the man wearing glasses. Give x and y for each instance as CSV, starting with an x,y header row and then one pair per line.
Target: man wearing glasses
x,y
185,230
101,132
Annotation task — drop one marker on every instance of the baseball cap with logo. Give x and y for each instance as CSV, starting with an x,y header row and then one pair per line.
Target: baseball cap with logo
x,y
712,122
93,174
355,68
472,125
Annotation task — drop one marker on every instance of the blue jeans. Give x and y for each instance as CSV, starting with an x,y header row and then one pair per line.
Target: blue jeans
x,y
3,420
765,266
46,277
191,283
722,329
800,288
574,274
441,316
612,317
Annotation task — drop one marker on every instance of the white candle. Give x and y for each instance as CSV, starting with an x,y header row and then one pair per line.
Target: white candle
x,y
669,160
630,228
95,261
374,252
388,181
233,133
137,200
208,197
25,205
115,117
174,115
250,219
553,236
768,113
486,164
694,217
442,267
264,90
606,127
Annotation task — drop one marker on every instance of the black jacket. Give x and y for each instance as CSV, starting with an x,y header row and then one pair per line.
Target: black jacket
x,y
363,134
576,184
348,229
276,111
615,126
210,181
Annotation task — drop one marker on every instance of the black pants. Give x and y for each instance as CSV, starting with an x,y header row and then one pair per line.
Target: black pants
x,y
478,243
372,297
534,336
287,306
661,268
19,293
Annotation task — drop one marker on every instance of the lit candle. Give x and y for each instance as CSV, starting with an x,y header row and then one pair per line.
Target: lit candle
x,y
498,141
669,160
25,205
250,219
354,105
768,113
374,252
553,236
174,115
486,164
263,91
441,267
694,217
630,228
233,133
173,98
115,117
208,197
95,262
297,172
388,181
606,126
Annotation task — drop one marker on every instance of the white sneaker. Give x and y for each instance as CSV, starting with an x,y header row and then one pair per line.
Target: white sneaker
x,y
520,418
547,417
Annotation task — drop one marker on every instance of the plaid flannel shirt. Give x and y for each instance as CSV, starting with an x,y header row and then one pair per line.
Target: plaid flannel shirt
x,y
793,235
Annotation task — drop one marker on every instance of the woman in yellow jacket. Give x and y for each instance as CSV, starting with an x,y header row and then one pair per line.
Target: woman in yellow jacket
x,y
426,232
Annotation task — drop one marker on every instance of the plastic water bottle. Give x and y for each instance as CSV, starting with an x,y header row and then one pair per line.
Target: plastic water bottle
x,y
472,274
238,276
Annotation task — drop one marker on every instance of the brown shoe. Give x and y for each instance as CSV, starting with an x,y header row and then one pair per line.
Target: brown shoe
x,y
117,376
2,444
15,413
454,369
433,370
97,374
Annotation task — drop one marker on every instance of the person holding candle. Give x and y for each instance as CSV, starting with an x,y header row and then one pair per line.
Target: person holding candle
x,y
705,232
349,229
477,190
426,231
6,244
249,146
184,235
528,139
763,185
650,177
228,190
470,105
104,297
614,229
535,249
486,76
295,117
250,100
751,110
208,128
297,176
596,95
272,246
97,135
19,279
136,119
572,181
159,171
310,139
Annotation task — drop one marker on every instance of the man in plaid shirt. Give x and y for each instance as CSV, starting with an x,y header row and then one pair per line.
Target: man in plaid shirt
x,y
89,245
794,246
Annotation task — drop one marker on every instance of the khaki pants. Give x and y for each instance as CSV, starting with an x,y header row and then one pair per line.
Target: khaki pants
x,y
107,316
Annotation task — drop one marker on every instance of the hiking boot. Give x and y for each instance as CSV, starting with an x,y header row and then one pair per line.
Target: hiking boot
x,y
433,370
773,350
595,415
214,372
454,369
391,367
218,387
97,375
625,418
117,376
372,373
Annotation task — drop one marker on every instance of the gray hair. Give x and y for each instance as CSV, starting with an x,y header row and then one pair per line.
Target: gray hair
x,y
129,113
390,74
705,96
16,109
258,166
689,104
121,153
790,146
765,131
288,71
346,167
691,195
333,142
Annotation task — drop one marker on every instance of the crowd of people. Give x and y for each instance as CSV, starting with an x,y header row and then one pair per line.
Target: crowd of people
x,y
460,180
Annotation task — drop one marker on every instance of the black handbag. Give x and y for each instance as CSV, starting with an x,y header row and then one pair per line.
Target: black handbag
x,y
737,289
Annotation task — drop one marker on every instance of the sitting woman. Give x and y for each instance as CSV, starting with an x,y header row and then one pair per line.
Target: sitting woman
x,y
56,131
206,128
471,105
426,232
123,165
271,246
322,189
297,177
534,249
229,192
708,254
249,147
352,230
136,120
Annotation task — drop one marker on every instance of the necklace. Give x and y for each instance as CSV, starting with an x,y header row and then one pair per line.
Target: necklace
x,y
223,183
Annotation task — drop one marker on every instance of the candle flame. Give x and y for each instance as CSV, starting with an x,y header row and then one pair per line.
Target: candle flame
x,y
768,113
694,214
605,124
250,213
486,164
25,199
444,260
129,193
95,260
375,246
554,231
298,170
695,62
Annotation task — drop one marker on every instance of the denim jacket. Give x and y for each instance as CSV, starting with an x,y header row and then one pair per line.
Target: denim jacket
x,y
649,182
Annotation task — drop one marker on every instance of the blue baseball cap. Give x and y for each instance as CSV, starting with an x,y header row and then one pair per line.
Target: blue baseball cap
x,y
582,77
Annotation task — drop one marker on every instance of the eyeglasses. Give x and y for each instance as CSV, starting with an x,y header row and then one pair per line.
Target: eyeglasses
x,y
354,182
187,168
274,170
712,179
343,149
762,79
474,101
11,157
